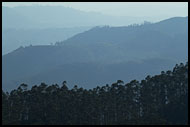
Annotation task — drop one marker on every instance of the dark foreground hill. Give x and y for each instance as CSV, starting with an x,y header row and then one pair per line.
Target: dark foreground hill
x,y
100,55
158,100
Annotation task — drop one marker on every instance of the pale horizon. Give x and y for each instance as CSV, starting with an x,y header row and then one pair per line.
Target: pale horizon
x,y
130,9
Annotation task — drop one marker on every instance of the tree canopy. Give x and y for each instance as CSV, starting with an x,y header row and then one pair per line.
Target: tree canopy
x,y
161,99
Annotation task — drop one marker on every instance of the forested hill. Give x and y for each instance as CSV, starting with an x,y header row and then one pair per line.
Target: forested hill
x,y
161,99
100,55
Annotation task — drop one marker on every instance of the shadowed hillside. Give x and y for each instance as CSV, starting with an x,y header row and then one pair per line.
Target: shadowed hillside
x,y
156,100
100,54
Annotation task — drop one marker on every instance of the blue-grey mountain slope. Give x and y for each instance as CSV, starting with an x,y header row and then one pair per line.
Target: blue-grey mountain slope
x,y
101,55
14,38
39,25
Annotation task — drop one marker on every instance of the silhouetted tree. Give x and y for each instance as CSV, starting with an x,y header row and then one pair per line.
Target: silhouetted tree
x,y
161,99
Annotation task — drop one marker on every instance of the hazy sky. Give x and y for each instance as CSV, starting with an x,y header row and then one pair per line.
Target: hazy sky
x,y
136,9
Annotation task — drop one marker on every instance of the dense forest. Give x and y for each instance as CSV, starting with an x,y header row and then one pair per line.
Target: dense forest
x,y
159,99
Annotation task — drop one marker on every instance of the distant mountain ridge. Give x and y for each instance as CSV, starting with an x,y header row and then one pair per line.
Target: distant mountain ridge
x,y
14,38
42,25
56,17
101,55
175,26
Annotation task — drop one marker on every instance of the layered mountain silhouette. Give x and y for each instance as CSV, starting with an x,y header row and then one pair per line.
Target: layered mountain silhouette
x,y
14,38
100,55
42,25
27,17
